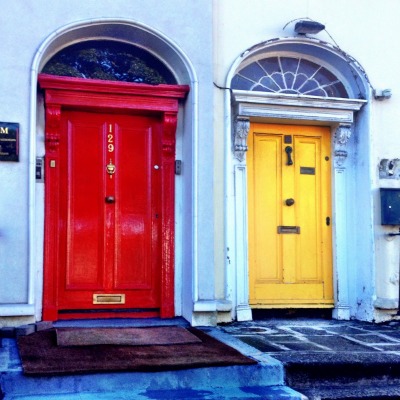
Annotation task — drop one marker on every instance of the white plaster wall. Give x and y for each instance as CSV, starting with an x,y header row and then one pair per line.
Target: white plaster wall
x,y
367,30
25,26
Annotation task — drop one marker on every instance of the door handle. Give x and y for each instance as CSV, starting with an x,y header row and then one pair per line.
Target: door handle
x,y
110,199
289,202
288,150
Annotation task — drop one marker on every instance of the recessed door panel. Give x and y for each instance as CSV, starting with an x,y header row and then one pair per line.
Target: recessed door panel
x,y
82,201
136,211
290,253
268,186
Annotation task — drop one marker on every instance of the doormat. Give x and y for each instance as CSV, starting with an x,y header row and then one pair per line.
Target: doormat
x,y
125,336
40,355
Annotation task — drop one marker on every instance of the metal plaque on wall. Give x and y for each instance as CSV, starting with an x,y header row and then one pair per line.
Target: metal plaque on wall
x,y
9,141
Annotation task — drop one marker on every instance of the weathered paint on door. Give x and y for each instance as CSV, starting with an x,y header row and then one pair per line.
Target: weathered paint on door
x,y
289,198
109,213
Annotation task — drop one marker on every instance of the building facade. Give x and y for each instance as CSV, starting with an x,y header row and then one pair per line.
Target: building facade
x,y
236,163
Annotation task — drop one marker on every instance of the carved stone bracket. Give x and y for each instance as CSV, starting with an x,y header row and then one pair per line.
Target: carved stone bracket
x,y
241,130
341,138
342,134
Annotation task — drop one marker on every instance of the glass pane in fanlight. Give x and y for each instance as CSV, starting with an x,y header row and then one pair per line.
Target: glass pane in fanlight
x,y
109,60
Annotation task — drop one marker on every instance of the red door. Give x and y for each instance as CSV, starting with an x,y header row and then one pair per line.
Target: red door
x,y
109,250
109,198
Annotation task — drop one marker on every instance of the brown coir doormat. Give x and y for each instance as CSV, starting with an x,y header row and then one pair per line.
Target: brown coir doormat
x,y
40,355
160,335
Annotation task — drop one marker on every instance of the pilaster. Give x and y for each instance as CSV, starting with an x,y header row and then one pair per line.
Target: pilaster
x,y
341,137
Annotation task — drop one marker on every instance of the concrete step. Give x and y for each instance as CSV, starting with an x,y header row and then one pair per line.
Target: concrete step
x,y
263,380
248,392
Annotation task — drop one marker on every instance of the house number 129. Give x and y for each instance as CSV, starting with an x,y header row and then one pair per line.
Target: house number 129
x,y
110,141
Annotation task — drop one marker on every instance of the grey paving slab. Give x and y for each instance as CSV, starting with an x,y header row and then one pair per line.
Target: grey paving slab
x,y
347,330
395,334
373,338
261,344
307,330
341,344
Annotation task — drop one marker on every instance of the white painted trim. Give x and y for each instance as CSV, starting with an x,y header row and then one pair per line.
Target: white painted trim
x,y
305,108
33,297
243,310
287,100
281,108
266,107
17,310
205,306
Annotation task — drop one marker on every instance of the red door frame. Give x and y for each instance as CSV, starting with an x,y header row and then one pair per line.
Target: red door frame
x,y
98,95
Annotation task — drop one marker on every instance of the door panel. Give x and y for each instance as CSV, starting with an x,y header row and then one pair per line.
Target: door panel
x,y
267,163
290,255
135,210
83,208
109,206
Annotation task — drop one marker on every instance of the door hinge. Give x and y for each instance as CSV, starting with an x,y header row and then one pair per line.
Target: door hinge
x,y
328,221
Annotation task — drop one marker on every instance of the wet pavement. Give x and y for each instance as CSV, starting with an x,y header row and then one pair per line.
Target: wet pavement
x,y
282,338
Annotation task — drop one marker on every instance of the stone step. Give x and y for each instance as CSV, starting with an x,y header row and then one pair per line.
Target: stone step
x,y
354,392
344,369
16,383
207,393
345,376
262,380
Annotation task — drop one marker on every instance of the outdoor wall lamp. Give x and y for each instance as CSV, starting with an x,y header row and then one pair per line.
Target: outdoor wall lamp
x,y
303,27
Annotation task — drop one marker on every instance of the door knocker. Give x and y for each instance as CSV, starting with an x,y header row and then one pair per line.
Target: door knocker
x,y
110,169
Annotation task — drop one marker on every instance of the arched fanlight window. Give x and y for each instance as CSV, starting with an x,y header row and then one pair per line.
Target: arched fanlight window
x,y
109,60
289,75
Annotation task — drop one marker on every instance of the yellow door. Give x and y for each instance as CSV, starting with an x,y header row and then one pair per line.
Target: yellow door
x,y
289,200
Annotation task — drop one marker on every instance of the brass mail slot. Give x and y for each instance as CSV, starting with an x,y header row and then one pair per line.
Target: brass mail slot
x,y
307,170
108,299
288,229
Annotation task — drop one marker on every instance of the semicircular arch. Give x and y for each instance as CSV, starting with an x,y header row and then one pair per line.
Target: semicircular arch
x,y
174,58
124,31
330,58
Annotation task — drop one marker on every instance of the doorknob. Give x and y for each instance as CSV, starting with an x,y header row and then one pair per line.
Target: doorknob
x,y
288,150
110,199
289,202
